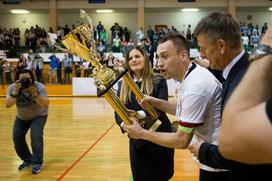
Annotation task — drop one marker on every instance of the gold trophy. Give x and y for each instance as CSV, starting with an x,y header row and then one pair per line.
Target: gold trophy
x,y
80,42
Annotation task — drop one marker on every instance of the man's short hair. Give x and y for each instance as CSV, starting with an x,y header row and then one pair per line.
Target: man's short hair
x,y
219,25
178,40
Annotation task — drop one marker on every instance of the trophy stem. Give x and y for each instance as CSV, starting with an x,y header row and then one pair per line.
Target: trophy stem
x,y
139,95
118,106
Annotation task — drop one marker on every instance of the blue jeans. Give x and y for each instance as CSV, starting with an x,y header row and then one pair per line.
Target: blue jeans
x,y
20,129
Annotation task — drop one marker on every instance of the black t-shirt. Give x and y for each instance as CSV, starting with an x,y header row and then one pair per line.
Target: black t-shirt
x,y
269,109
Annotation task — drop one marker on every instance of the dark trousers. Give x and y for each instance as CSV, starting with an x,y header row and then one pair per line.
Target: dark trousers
x,y
8,78
39,75
20,129
213,176
1,78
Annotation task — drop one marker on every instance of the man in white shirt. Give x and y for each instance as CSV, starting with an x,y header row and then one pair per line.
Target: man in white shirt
x,y
245,41
198,105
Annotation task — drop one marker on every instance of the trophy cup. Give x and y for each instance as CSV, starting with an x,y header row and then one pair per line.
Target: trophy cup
x,y
80,42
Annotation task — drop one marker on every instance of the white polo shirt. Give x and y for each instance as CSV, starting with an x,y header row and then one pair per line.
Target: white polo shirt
x,y
199,106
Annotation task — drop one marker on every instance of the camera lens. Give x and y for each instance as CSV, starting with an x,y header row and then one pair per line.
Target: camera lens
x,y
25,83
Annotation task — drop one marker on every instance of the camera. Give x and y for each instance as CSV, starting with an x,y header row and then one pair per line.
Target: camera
x,y
25,83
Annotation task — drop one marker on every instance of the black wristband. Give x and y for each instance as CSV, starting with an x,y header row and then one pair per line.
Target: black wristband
x,y
268,109
13,95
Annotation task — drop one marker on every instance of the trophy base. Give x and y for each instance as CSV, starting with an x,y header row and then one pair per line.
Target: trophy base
x,y
155,126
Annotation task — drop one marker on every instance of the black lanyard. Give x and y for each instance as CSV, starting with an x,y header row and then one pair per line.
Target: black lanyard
x,y
190,70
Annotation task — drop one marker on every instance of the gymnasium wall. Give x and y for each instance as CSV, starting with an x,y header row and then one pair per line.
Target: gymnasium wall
x,y
178,19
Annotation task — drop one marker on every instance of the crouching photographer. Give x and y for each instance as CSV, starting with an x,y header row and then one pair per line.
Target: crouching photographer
x,y
31,113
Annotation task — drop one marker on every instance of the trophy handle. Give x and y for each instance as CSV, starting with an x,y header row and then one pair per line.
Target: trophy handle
x,y
118,106
84,15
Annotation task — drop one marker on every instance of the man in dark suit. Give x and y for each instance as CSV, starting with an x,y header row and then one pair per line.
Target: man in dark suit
x,y
245,113
219,39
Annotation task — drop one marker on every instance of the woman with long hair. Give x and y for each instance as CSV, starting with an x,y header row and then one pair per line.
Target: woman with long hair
x,y
149,161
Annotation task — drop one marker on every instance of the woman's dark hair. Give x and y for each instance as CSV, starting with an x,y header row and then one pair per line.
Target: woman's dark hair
x,y
24,71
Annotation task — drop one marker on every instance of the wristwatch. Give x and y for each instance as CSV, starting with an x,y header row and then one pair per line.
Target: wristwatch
x,y
259,52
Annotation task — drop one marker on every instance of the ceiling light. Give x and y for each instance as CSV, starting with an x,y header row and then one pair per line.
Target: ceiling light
x,y
189,10
104,11
270,9
19,11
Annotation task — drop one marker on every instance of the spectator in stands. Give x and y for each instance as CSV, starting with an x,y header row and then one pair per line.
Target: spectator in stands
x,y
130,42
60,33
54,64
156,68
7,69
103,37
8,41
189,33
2,40
1,72
101,48
22,63
258,30
50,45
156,39
66,30
33,40
249,30
86,68
30,60
150,33
43,44
116,44
27,38
66,64
264,28
99,28
78,68
140,36
126,34
119,64
59,73
114,30
245,41
95,34
254,39
110,60
16,36
13,70
38,67
150,50
124,46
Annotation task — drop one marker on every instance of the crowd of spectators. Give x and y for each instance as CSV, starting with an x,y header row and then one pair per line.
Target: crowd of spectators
x,y
251,35
60,71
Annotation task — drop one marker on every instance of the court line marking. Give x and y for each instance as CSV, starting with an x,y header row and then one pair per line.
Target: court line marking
x,y
84,154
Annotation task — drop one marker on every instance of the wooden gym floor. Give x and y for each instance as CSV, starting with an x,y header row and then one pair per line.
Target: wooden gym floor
x,y
81,142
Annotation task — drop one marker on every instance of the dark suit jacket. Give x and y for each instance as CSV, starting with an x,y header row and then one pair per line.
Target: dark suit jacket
x,y
210,155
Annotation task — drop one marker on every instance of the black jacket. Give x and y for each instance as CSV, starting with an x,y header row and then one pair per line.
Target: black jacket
x,y
209,153
149,161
